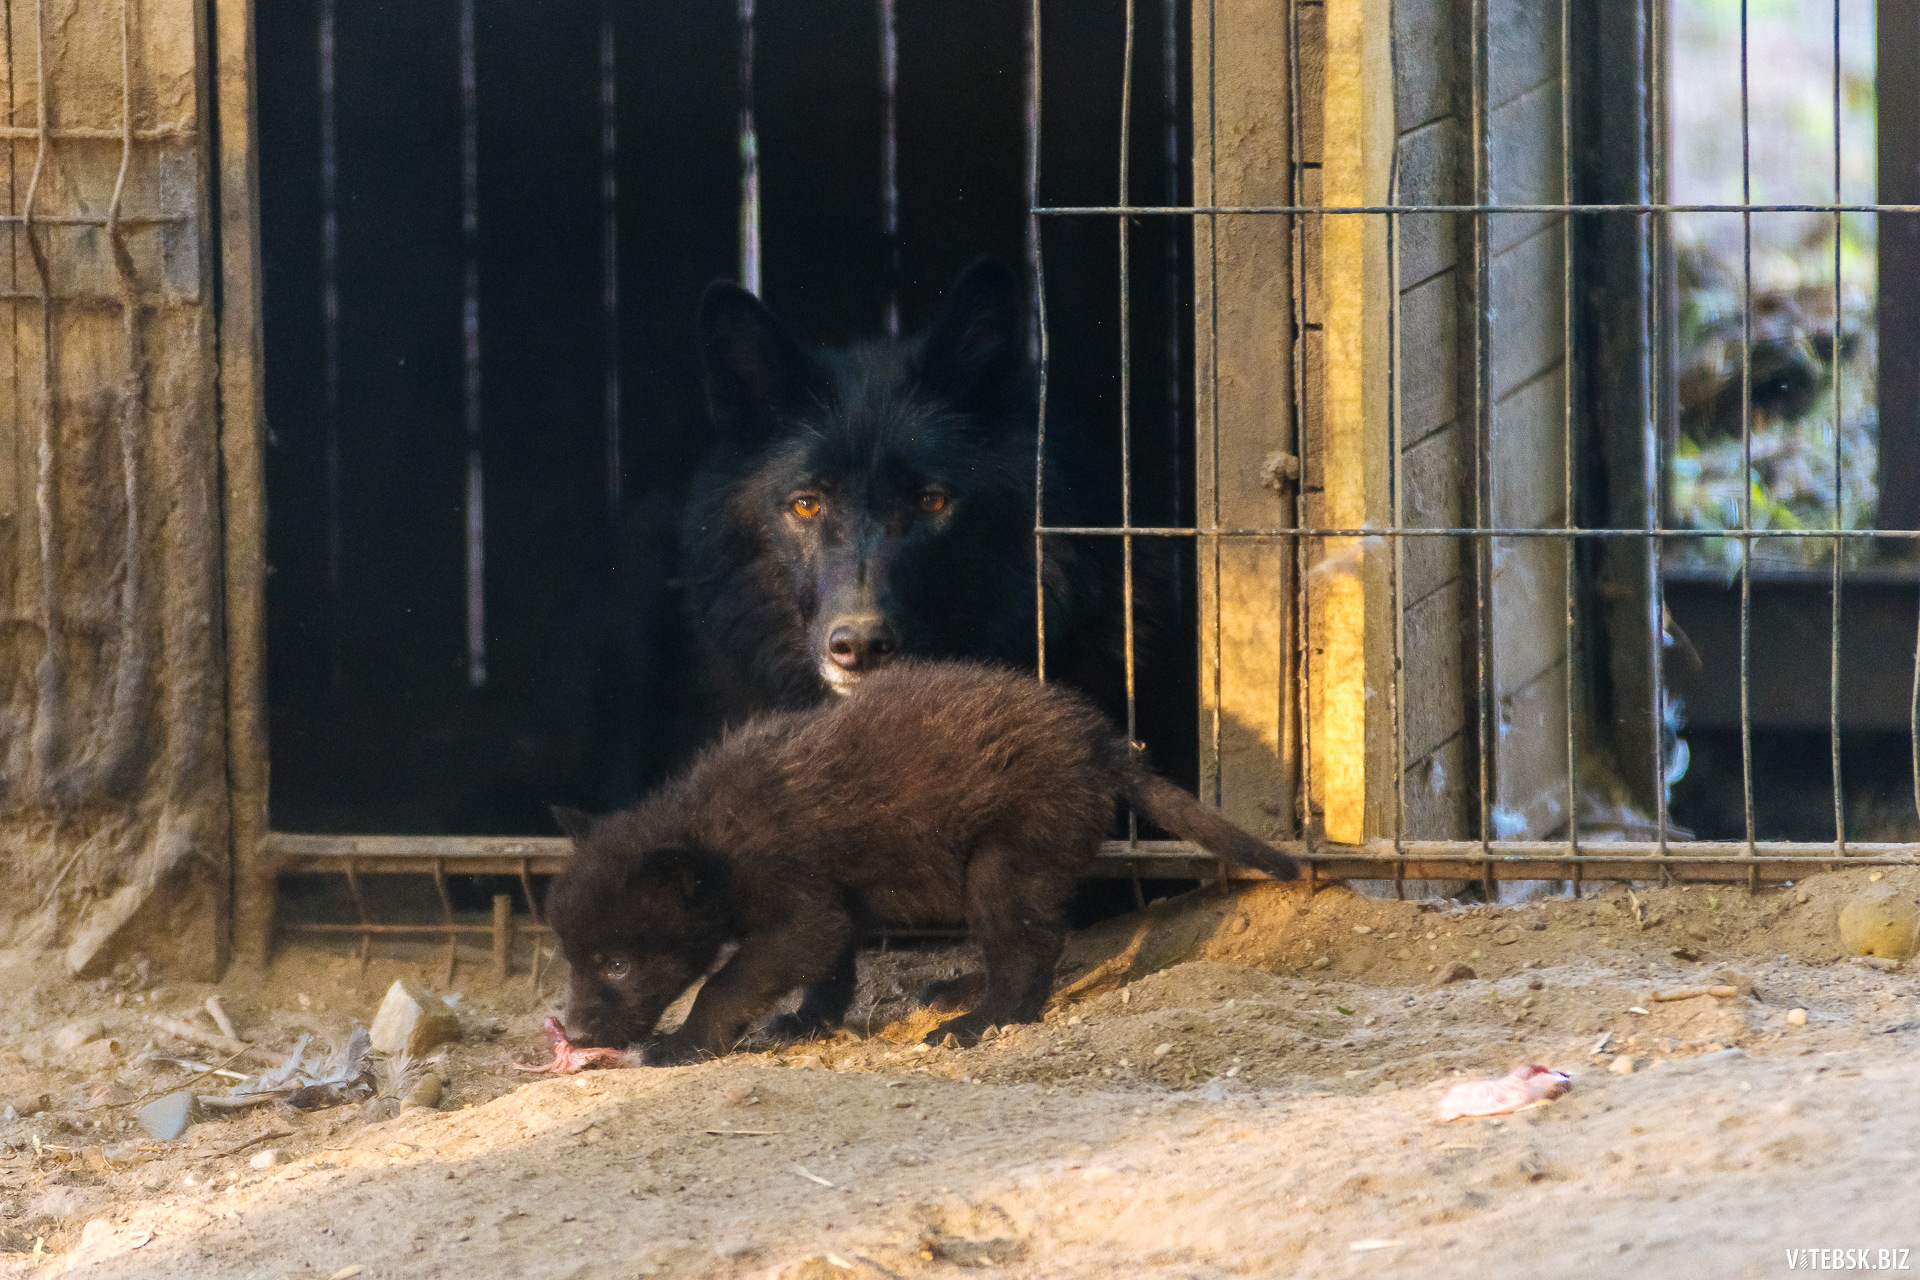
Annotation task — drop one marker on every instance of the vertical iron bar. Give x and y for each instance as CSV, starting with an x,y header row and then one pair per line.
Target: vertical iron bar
x,y
1396,568
1302,601
1482,434
1566,427
50,675
330,344
446,915
890,162
1126,406
1746,445
1032,158
130,412
1170,101
749,161
610,255
1213,347
359,908
1653,376
1040,344
1839,520
526,887
470,331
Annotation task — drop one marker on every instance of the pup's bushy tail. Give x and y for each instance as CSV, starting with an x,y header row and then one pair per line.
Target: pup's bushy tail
x,y
1172,808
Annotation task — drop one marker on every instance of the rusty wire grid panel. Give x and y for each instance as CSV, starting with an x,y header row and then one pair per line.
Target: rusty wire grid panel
x,y
1379,838
112,779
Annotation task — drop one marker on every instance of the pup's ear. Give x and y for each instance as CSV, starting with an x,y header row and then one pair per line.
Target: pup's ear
x,y
972,353
674,872
752,364
572,821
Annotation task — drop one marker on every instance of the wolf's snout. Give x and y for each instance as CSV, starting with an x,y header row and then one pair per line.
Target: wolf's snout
x,y
862,643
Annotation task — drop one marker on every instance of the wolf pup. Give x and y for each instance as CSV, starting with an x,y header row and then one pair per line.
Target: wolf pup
x,y
932,793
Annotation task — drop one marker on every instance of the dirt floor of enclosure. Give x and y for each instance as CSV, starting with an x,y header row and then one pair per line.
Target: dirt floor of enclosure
x,y
1232,1084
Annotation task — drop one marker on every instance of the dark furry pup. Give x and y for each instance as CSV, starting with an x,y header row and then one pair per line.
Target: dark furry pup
x,y
932,793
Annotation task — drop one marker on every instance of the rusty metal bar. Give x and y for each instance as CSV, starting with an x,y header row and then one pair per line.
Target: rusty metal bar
x,y
1283,210
1569,565
330,346
1126,406
470,351
382,929
1481,531
1483,611
446,911
502,935
610,257
749,160
1040,326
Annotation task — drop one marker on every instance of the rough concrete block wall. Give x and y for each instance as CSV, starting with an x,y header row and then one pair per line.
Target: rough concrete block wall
x,y
1527,431
1434,394
1436,390
113,812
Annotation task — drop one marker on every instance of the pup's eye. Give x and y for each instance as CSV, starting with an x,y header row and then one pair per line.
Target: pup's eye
x,y
616,970
933,502
806,506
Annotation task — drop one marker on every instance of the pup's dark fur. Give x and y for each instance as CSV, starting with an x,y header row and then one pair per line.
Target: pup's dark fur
x,y
932,793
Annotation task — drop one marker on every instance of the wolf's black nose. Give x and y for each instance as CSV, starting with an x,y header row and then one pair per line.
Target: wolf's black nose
x,y
862,643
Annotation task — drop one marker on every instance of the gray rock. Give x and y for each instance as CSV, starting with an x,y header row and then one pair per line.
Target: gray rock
x,y
167,1118
413,1021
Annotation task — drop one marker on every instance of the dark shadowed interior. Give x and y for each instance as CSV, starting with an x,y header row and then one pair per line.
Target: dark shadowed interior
x,y
376,722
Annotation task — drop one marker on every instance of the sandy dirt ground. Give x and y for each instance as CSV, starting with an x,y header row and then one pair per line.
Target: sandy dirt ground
x,y
1232,1084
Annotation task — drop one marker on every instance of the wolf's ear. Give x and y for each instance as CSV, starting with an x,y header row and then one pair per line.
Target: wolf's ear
x,y
751,362
572,821
972,353
674,871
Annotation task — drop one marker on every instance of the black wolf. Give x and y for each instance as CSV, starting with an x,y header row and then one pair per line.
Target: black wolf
x,y
932,793
855,505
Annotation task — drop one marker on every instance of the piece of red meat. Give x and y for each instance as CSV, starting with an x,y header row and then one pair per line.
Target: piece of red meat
x,y
569,1057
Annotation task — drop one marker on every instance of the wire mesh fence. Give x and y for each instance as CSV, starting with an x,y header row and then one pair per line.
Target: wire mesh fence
x,y
1498,842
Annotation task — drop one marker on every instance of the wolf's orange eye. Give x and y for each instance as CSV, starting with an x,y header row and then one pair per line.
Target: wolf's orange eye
x,y
806,506
933,502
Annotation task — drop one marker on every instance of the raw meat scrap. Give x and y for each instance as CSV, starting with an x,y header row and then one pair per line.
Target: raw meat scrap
x,y
569,1057
1497,1096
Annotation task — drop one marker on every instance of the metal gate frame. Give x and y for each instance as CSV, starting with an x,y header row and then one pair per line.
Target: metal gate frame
x,y
263,855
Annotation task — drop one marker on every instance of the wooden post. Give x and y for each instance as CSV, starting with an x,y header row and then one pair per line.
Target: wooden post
x,y
1291,350
242,427
1350,625
502,935
1248,454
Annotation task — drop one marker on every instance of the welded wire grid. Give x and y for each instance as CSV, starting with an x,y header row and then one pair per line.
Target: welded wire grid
x,y
58,762
1658,355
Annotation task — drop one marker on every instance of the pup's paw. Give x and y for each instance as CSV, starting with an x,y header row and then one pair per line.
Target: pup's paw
x,y
670,1051
789,1027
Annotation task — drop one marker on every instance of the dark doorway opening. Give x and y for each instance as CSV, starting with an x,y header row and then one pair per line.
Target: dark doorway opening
x,y
486,230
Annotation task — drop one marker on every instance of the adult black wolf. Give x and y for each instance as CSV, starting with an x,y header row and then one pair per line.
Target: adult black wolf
x,y
855,505
877,501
